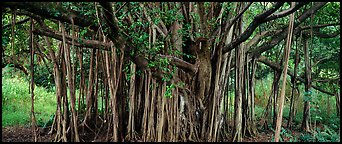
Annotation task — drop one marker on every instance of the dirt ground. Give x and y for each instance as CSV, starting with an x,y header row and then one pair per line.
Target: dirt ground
x,y
23,134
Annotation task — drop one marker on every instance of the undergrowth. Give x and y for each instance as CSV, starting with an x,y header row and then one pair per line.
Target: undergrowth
x,y
16,102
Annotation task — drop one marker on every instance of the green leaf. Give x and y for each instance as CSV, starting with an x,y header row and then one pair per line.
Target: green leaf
x,y
306,98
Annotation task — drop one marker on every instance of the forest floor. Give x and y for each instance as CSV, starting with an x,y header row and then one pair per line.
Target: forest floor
x,y
24,134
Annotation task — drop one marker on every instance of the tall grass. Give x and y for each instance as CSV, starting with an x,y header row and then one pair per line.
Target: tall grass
x,y
16,102
319,101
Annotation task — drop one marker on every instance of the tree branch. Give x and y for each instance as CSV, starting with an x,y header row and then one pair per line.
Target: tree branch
x,y
151,22
275,66
319,26
279,36
109,18
16,23
53,11
258,37
230,23
81,42
285,12
250,29
16,65
179,63
317,33
324,35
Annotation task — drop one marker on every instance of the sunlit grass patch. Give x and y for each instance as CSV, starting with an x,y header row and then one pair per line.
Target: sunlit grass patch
x,y
16,102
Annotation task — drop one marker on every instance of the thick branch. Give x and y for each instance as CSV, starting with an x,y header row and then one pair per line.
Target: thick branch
x,y
278,37
317,33
258,37
18,66
285,12
319,26
278,68
324,35
16,23
117,39
109,17
337,79
151,22
179,63
80,43
231,22
53,11
250,29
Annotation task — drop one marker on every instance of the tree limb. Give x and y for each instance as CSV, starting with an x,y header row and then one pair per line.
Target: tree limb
x,y
263,34
324,35
279,36
250,29
328,80
53,11
317,33
16,23
278,68
16,65
151,22
81,42
258,37
110,20
231,22
319,26
285,12
179,63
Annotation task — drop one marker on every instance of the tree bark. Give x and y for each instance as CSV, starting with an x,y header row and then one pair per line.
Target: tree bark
x,y
33,117
294,82
282,94
307,94
71,86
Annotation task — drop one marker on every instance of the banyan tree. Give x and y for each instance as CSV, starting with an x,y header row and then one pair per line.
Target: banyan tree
x,y
165,71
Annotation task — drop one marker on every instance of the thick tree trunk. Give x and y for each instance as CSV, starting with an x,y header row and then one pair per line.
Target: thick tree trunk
x,y
337,96
239,84
282,94
33,117
294,82
112,82
89,94
307,95
251,92
79,53
238,95
71,87
66,118
132,107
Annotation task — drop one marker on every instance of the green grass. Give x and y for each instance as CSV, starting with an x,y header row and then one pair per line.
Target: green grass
x,y
16,102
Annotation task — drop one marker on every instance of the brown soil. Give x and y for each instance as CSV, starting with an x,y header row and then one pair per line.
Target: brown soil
x,y
260,137
23,134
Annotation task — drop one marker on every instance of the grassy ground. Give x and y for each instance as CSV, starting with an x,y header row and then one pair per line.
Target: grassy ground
x,y
16,102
